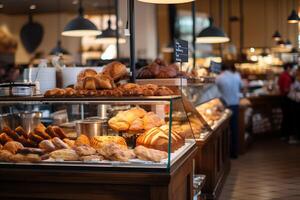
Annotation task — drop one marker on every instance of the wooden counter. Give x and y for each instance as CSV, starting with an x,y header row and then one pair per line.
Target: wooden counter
x,y
213,159
78,183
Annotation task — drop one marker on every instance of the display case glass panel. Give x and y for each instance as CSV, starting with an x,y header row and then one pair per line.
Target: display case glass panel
x,y
131,132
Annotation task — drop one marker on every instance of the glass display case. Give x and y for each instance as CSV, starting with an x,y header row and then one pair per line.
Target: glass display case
x,y
204,99
104,132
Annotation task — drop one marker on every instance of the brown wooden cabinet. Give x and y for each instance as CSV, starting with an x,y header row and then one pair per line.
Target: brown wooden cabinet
x,y
41,182
213,159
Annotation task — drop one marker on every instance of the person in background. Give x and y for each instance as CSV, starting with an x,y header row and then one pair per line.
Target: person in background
x,y
294,96
284,82
229,83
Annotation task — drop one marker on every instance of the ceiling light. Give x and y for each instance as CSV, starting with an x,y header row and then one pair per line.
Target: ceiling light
x,y
32,7
80,26
166,1
276,36
58,49
293,18
212,35
281,43
1,5
109,36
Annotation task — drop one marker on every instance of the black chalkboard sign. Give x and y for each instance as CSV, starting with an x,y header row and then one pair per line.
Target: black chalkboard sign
x,y
215,67
181,51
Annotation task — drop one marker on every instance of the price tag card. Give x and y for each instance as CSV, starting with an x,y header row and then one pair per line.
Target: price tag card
x,y
181,51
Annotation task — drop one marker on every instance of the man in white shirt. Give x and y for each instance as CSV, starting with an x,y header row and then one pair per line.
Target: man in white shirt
x,y
229,84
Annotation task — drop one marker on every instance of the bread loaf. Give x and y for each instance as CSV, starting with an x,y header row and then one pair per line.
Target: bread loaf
x,y
115,70
158,138
98,141
144,153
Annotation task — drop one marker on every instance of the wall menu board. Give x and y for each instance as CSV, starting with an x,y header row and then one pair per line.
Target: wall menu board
x,y
181,51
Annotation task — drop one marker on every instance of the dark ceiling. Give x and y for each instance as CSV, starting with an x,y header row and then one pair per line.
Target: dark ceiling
x,y
14,7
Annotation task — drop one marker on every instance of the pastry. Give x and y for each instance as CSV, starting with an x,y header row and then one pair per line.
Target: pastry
x,y
21,132
137,125
98,141
28,150
152,120
158,138
82,140
35,138
115,70
47,145
33,158
10,133
64,154
105,82
167,72
50,131
23,141
91,158
59,132
18,158
137,111
154,68
70,143
4,138
144,73
131,89
5,156
41,132
57,92
85,150
1,146
163,91
13,146
144,153
115,152
59,144
86,73
70,92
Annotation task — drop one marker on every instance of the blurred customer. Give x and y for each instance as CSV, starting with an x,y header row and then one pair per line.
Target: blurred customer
x,y
229,84
294,96
284,82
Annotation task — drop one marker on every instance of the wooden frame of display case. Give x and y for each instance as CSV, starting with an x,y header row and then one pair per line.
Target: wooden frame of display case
x,y
213,159
28,182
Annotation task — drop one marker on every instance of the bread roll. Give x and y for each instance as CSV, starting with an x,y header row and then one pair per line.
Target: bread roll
x,y
59,144
115,70
86,73
47,145
152,120
64,154
148,154
82,140
98,141
13,146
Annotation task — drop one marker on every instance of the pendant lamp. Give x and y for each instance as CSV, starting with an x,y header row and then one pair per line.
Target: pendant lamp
x,y
80,26
276,36
212,35
109,36
281,43
293,17
58,48
166,1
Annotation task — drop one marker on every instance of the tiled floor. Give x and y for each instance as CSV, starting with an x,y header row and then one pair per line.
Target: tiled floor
x,y
270,170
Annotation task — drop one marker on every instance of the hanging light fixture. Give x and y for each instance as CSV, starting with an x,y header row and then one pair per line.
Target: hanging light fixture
x,y
276,36
109,36
166,1
58,49
80,26
293,17
281,43
212,35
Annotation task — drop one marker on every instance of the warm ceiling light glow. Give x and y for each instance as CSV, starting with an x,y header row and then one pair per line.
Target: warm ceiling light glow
x,y
32,7
212,40
80,33
166,1
1,5
109,36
